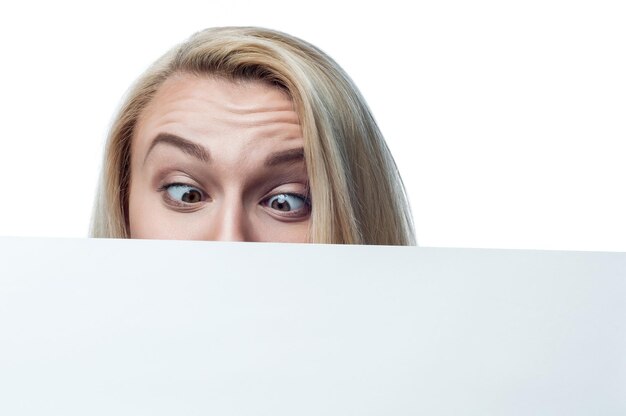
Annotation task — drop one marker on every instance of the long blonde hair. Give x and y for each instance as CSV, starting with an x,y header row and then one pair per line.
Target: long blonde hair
x,y
357,193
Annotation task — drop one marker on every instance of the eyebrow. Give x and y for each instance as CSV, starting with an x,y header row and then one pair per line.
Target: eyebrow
x,y
199,152
287,156
187,146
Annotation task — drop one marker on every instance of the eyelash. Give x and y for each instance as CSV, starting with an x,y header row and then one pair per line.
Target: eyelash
x,y
306,199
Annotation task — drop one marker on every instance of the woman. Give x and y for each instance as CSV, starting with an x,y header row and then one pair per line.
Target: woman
x,y
249,134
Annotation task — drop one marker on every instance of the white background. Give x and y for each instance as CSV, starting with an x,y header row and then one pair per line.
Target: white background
x,y
507,119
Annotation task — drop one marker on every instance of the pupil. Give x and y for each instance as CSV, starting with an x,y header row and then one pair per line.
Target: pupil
x,y
281,204
191,197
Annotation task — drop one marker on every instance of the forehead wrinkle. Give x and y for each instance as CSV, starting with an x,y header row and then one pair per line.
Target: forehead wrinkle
x,y
220,98
237,100
271,122
256,113
275,131
255,107
253,115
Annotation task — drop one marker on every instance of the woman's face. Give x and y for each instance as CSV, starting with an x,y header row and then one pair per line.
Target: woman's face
x,y
213,159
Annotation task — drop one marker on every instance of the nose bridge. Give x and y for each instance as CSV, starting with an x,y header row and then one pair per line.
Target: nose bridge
x,y
230,222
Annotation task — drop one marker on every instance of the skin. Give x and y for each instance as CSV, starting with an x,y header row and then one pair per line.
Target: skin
x,y
213,159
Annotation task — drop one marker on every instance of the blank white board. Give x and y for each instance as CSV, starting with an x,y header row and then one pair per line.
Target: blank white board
x,y
128,327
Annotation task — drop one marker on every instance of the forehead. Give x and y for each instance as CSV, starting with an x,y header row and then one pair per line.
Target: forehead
x,y
218,112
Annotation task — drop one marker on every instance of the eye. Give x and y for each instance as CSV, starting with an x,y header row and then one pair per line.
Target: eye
x,y
288,203
184,193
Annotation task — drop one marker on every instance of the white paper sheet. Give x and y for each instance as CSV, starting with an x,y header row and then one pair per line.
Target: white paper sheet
x,y
120,327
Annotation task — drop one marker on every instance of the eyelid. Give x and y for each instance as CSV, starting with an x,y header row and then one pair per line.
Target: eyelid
x,y
167,185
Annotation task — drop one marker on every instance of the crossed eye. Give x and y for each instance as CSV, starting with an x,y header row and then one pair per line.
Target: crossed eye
x,y
283,202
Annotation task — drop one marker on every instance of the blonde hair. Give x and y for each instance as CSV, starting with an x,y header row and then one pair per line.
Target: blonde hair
x,y
357,193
